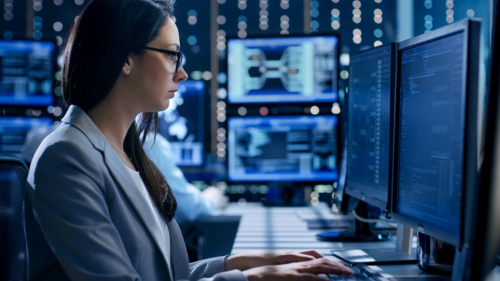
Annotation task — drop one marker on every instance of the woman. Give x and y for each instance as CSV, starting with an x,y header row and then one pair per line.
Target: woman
x,y
101,209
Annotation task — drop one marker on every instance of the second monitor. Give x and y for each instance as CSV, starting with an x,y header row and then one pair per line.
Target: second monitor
x,y
369,120
283,69
302,148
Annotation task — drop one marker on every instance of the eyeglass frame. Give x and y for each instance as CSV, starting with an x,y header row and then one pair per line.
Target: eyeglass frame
x,y
179,55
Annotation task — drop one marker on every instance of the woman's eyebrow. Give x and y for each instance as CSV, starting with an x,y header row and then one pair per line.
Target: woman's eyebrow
x,y
177,46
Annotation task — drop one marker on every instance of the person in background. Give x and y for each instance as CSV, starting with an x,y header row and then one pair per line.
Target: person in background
x,y
191,202
97,208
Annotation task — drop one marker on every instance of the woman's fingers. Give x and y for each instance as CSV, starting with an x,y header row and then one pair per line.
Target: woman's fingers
x,y
293,257
323,266
312,253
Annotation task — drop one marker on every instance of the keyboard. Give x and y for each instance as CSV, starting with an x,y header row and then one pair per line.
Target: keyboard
x,y
361,272
364,272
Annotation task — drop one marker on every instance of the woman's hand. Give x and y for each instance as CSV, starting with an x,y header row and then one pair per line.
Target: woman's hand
x,y
307,270
251,259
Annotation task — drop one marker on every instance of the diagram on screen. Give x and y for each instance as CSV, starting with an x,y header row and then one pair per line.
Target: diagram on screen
x,y
282,69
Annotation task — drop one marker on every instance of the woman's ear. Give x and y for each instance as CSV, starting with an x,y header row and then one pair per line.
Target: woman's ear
x,y
127,66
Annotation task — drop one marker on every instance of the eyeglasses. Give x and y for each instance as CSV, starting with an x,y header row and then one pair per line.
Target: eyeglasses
x,y
178,57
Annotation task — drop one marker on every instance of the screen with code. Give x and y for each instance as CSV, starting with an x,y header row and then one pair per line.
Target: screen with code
x,y
431,132
369,113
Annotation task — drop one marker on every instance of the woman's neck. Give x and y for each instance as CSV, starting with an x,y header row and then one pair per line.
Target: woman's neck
x,y
113,118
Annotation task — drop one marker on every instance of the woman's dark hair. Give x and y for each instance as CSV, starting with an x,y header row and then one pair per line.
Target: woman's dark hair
x,y
104,35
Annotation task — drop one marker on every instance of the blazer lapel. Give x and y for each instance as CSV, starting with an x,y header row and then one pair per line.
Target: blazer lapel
x,y
79,119
180,260
121,176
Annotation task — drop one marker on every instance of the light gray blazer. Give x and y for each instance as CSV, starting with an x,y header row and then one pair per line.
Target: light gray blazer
x,y
86,220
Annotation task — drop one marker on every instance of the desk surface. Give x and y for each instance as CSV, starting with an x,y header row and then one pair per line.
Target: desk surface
x,y
280,228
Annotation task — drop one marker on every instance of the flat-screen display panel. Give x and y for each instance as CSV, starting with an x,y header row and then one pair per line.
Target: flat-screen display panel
x,y
302,148
26,72
283,69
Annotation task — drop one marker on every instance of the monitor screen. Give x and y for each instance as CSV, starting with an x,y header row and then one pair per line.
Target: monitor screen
x,y
26,72
302,148
282,69
182,123
431,132
13,131
369,114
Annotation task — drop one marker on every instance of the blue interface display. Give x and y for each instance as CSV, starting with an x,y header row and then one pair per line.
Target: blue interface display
x,y
287,69
282,148
431,132
13,131
26,72
182,123
369,133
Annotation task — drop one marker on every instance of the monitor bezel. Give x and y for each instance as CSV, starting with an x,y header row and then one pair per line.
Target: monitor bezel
x,y
484,240
55,69
471,28
284,182
383,205
279,36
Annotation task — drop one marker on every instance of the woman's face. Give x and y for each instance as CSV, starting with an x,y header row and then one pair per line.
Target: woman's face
x,y
153,75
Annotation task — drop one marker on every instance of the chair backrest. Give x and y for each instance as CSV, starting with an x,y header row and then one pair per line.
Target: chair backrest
x,y
13,246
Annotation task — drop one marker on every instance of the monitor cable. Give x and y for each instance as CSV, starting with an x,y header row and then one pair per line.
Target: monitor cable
x,y
365,220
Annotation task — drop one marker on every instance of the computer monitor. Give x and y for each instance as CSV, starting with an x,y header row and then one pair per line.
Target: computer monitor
x,y
13,131
342,202
436,134
284,69
285,148
370,102
369,153
27,72
182,123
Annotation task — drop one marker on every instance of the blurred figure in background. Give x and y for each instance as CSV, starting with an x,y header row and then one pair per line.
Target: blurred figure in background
x,y
191,202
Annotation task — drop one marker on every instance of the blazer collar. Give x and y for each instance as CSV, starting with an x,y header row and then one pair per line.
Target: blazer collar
x,y
80,120
76,117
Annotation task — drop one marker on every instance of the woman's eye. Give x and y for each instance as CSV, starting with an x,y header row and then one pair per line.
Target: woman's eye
x,y
172,57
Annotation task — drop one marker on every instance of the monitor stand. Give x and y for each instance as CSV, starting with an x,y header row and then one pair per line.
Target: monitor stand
x,y
402,254
362,233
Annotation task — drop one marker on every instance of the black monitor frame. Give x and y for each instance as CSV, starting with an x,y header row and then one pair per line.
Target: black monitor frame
x,y
471,29
485,240
383,205
55,68
280,36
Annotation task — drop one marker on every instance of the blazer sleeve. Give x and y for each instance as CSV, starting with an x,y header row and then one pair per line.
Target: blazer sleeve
x,y
69,204
213,267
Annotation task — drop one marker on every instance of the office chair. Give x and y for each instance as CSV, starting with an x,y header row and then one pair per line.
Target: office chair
x,y
13,245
